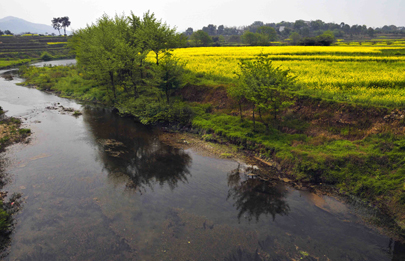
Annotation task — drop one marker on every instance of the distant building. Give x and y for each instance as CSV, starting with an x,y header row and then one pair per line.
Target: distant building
x,y
281,28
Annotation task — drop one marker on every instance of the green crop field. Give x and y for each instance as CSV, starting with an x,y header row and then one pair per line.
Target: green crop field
x,y
16,50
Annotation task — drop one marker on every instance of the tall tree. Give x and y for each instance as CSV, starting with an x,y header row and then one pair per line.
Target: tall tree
x,y
189,31
65,23
57,23
159,37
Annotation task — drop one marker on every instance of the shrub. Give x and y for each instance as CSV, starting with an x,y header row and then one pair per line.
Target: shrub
x,y
45,56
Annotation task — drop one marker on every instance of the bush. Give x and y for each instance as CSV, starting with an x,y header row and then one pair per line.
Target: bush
x,y
45,56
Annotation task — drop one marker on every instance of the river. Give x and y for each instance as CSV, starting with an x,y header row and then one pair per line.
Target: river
x,y
101,187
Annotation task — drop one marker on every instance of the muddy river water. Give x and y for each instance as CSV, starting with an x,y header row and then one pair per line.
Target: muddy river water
x,y
101,187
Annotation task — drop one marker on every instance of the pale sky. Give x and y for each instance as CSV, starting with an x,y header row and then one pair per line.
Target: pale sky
x,y
196,14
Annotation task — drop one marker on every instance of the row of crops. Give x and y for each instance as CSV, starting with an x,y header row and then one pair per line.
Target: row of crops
x,y
370,75
15,48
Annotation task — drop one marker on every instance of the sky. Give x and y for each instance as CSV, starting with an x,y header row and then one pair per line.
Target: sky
x,y
196,14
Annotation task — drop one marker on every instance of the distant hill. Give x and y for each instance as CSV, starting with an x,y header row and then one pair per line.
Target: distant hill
x,y
18,25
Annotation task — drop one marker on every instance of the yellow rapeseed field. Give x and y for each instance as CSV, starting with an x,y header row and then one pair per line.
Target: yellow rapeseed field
x,y
348,73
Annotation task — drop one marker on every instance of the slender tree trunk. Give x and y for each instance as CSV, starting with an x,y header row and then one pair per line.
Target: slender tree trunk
x,y
240,110
141,70
157,59
136,95
265,124
254,121
113,85
167,87
167,96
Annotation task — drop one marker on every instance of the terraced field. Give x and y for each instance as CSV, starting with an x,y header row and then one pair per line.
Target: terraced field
x,y
16,50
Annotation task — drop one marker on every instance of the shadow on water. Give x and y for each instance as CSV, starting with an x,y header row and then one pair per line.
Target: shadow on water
x,y
254,197
133,152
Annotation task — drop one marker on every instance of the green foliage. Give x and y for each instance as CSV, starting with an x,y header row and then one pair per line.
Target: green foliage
x,y
171,71
4,219
157,36
264,35
325,39
149,110
249,38
45,56
268,33
24,131
369,168
295,38
201,38
113,53
264,86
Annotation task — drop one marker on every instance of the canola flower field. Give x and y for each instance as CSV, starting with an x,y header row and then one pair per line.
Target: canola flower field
x,y
372,75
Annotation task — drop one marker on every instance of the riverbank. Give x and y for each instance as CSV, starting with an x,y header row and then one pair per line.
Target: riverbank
x,y
10,133
355,148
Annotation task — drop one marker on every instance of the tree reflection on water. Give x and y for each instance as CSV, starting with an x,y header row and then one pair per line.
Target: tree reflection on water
x,y
254,197
133,150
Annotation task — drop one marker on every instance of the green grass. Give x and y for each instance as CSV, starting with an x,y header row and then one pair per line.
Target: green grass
x,y
24,131
369,168
5,64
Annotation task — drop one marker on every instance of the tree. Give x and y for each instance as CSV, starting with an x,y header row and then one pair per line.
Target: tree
x,y
370,32
171,76
105,53
264,85
237,92
113,52
325,39
234,39
268,32
220,30
317,25
201,38
7,32
1,32
65,23
299,24
250,38
295,38
158,36
56,23
189,31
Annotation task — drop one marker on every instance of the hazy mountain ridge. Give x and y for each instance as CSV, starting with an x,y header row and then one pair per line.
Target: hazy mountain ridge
x,y
17,26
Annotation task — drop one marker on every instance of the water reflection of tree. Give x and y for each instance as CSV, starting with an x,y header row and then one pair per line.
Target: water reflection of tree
x,y
138,153
254,197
